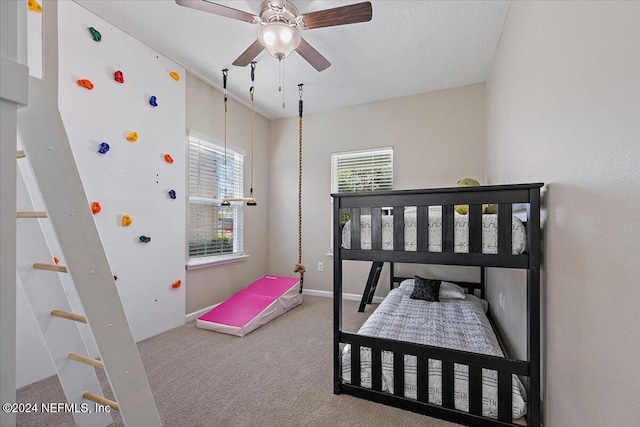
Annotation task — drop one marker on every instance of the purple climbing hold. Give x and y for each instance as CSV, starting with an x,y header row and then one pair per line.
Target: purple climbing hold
x,y
104,147
172,194
153,101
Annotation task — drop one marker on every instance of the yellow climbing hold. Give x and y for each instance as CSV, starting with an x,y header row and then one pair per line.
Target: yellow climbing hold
x,y
175,75
126,220
34,6
132,137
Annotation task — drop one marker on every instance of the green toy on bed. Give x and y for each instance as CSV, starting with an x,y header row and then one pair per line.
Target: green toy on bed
x,y
464,209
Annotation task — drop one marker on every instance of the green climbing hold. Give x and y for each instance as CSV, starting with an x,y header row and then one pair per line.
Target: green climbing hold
x,y
96,34
145,239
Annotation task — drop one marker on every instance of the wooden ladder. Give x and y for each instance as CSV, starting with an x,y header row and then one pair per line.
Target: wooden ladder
x,y
49,155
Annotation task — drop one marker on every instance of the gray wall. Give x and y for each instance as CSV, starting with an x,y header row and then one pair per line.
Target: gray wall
x,y
438,138
563,107
205,114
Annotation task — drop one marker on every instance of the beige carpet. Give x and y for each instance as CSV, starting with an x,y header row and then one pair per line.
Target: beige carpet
x,y
279,375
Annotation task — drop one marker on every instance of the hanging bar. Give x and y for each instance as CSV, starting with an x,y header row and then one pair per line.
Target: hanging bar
x,y
448,387
398,374
376,228
475,229
475,390
20,154
376,369
69,316
100,400
447,228
398,228
31,215
50,267
355,365
86,360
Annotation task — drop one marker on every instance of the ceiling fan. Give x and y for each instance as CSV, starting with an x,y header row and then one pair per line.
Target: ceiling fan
x,y
280,21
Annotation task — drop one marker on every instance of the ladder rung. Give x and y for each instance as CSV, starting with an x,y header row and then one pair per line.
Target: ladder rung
x,y
69,316
31,215
101,400
50,267
20,154
86,360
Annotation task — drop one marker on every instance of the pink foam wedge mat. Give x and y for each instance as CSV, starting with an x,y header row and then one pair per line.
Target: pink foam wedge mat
x,y
242,307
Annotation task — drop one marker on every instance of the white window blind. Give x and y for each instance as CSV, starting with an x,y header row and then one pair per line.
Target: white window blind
x,y
366,170
214,229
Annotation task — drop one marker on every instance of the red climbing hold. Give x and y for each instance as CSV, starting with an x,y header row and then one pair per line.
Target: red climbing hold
x,y
56,260
118,76
85,83
176,284
168,158
95,207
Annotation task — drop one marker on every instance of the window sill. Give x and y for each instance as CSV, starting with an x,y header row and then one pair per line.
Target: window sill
x,y
213,261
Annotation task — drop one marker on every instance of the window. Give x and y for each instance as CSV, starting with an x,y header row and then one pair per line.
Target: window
x,y
366,170
214,230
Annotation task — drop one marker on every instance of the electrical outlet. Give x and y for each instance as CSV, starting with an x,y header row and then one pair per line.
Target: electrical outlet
x,y
320,266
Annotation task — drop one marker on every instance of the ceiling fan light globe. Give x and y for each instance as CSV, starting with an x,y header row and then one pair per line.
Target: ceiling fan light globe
x,y
279,38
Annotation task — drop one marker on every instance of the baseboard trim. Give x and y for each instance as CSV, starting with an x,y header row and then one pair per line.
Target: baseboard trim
x,y
349,297
193,316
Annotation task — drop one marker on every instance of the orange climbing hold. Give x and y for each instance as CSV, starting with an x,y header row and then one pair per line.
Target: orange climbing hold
x,y
95,207
168,158
132,137
56,260
85,83
34,6
176,284
175,75
126,220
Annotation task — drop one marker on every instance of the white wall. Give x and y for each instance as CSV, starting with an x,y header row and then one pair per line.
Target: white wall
x,y
438,138
205,114
563,107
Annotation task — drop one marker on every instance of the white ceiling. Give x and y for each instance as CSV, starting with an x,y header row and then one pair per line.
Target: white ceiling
x,y
408,47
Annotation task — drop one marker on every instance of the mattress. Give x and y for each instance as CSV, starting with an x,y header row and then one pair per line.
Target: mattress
x,y
459,324
460,232
254,306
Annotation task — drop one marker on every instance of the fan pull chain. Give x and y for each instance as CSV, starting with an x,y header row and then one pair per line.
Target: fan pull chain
x,y
281,79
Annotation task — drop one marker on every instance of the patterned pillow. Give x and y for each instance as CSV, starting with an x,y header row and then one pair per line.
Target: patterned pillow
x,y
447,290
426,289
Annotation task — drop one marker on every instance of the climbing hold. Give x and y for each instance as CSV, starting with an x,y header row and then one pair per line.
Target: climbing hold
x,y
56,260
168,158
104,147
85,83
95,207
172,194
96,35
132,137
126,220
175,75
176,284
118,76
34,6
153,101
145,239
115,278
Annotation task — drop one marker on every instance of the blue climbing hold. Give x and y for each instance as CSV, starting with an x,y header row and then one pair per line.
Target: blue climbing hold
x,y
104,147
153,101
172,194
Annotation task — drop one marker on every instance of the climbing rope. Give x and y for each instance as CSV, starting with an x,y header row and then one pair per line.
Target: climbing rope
x,y
226,173
300,268
252,202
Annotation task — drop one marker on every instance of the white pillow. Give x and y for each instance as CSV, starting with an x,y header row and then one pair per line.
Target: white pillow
x,y
448,290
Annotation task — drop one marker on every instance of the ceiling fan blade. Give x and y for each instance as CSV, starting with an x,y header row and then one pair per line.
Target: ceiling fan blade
x,y
312,56
359,12
249,54
218,9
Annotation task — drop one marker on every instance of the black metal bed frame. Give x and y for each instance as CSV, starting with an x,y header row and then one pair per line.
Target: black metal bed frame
x,y
503,195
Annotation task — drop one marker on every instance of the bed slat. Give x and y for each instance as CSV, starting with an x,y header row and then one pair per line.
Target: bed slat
x,y
448,222
505,212
423,228
398,228
505,412
475,390
475,229
355,365
376,369
355,228
448,387
423,379
376,228
398,374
